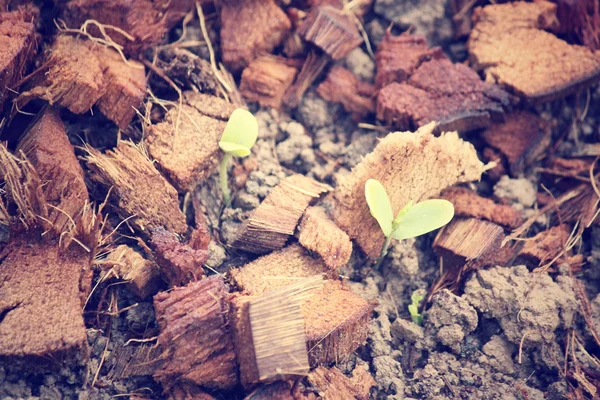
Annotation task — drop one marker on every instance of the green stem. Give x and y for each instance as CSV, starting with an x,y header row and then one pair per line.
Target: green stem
x,y
224,179
384,251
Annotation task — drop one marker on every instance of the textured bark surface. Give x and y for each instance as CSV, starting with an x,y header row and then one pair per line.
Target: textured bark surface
x,y
266,80
333,384
410,166
342,86
143,275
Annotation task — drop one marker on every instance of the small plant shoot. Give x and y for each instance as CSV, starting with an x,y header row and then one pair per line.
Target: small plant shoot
x,y
411,221
238,138
413,308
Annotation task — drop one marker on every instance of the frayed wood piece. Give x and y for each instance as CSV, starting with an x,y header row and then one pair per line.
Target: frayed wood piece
x,y
397,57
467,203
180,263
318,233
521,138
331,29
140,24
275,220
331,383
211,106
196,338
140,192
250,28
188,392
143,275
313,66
277,269
46,146
546,246
187,70
511,44
468,242
453,95
266,79
411,166
42,296
132,360
18,44
79,73
342,86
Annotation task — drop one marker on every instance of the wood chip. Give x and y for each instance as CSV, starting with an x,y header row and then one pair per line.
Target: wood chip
x,y
318,233
331,29
143,275
44,288
140,192
546,246
410,166
146,21
342,86
46,146
266,80
521,138
78,74
397,57
468,242
187,70
510,43
249,28
275,219
331,383
18,44
451,94
467,203
197,342
277,269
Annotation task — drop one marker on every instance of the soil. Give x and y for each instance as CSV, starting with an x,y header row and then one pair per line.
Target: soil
x,y
501,332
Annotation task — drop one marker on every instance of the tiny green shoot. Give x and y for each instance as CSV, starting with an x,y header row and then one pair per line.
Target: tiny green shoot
x,y
238,138
413,308
411,221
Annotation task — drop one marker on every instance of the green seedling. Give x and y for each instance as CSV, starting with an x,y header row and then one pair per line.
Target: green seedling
x,y
413,308
411,221
238,138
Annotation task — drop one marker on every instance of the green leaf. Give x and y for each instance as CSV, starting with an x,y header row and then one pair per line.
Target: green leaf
x,y
379,204
413,308
240,133
423,217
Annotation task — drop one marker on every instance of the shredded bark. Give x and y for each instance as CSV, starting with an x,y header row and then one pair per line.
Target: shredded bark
x,y
187,70
509,42
331,383
276,218
546,246
342,86
318,233
410,166
266,80
143,275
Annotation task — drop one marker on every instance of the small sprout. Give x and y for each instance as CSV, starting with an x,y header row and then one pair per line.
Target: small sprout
x,y
411,221
238,138
413,308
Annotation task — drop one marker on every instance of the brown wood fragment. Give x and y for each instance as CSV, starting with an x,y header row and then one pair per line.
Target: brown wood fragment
x,y
451,94
196,338
143,275
331,29
146,21
410,166
141,193
336,323
188,70
499,170
467,203
397,57
333,384
318,233
342,86
510,43
180,263
18,44
546,246
275,219
249,28
132,360
78,74
266,79
41,300
280,390
46,146
188,392
313,66
186,144
521,138
277,269
468,242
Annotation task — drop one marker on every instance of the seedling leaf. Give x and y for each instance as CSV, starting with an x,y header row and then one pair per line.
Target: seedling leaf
x,y
413,308
240,133
424,217
379,205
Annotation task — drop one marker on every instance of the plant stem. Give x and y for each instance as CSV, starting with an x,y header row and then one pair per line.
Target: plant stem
x,y
384,251
224,179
